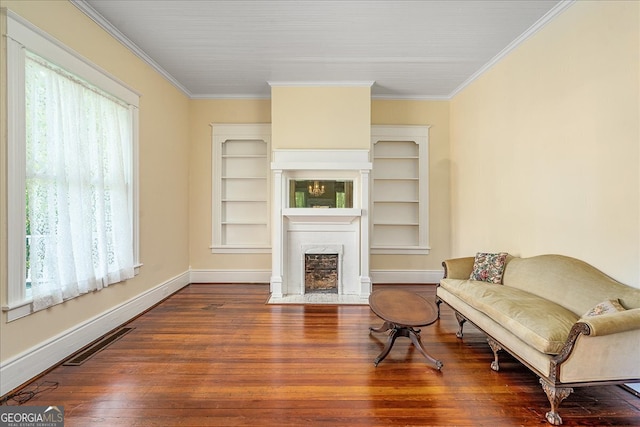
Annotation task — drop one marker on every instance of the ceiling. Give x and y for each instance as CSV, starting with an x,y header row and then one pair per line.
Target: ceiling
x,y
408,49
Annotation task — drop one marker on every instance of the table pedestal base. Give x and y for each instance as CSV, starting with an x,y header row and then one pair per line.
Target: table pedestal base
x,y
402,331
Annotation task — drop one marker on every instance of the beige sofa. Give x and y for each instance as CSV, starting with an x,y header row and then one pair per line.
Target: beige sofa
x,y
537,314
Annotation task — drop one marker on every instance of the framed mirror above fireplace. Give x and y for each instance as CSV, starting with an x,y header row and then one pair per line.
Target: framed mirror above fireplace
x,y
315,193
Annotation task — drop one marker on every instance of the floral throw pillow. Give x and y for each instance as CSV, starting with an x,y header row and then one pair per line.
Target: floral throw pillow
x,y
605,307
489,267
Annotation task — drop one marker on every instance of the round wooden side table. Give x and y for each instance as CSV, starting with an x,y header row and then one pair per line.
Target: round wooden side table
x,y
403,311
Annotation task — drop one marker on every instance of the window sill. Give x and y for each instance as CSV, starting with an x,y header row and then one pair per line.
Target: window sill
x,y
18,310
25,308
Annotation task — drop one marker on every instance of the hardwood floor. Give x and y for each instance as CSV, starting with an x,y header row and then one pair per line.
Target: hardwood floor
x,y
217,355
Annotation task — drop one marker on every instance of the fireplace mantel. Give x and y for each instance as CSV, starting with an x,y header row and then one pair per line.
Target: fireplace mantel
x,y
305,215
296,228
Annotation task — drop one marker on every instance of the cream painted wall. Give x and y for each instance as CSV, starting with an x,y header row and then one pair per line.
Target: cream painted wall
x,y
320,117
435,114
202,114
545,145
163,177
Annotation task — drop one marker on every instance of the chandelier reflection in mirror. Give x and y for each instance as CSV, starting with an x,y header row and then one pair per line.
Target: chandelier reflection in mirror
x,y
316,189
321,193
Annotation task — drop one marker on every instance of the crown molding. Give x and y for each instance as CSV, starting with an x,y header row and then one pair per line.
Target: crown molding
x,y
412,97
232,96
548,17
323,83
93,14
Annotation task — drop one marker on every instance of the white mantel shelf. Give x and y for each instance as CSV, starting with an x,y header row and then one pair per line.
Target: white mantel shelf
x,y
330,215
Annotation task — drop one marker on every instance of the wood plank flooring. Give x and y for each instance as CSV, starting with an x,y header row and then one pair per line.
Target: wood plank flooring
x,y
217,355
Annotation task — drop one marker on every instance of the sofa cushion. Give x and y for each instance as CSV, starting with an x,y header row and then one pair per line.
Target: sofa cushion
x,y
541,323
572,283
605,307
488,267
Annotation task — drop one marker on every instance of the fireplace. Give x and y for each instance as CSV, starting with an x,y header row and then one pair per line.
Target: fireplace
x,y
336,237
321,273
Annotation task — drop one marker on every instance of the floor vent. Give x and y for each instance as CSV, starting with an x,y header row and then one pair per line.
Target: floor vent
x,y
79,358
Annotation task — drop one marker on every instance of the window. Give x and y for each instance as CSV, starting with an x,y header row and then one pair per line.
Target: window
x,y
400,190
241,188
72,180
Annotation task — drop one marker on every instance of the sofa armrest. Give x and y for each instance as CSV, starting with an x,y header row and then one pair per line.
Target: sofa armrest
x,y
612,323
608,356
458,268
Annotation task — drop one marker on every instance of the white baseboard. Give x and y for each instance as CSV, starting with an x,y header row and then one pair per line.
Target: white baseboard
x,y
264,276
406,276
33,362
230,276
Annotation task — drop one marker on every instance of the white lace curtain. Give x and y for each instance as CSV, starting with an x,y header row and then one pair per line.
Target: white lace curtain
x,y
78,184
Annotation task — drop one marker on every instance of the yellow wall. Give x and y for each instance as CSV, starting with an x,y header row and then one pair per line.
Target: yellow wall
x,y
163,176
545,145
435,114
202,114
320,117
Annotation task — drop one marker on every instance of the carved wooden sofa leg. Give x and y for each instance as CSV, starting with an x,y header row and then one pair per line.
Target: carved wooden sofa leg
x,y
461,321
495,347
555,395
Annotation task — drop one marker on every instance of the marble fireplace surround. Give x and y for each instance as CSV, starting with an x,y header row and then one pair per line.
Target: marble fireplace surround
x,y
342,231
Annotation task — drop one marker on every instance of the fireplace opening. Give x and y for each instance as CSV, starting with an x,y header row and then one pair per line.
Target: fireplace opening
x,y
321,273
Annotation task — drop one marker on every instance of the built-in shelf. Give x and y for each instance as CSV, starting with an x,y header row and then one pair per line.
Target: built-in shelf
x,y
399,189
241,187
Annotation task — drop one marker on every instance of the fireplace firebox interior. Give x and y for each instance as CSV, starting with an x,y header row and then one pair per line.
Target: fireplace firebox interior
x,y
321,273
